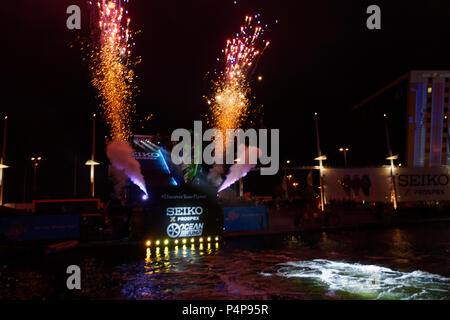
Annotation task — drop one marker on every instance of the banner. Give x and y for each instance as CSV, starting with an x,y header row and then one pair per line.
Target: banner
x,y
358,184
423,184
20,228
245,218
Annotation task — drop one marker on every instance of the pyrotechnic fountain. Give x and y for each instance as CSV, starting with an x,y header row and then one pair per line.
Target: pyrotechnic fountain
x,y
230,105
113,76
231,101
238,170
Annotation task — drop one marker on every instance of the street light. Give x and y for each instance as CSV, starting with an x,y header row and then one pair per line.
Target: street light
x,y
286,184
344,150
320,158
2,161
92,161
35,165
391,158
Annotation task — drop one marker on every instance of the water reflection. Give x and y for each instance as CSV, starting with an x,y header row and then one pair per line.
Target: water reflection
x,y
155,280
402,247
368,264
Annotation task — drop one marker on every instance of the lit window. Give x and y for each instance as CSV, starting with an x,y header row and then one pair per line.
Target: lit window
x,y
430,89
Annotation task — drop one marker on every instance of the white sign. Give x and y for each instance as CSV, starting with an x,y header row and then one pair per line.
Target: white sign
x,y
184,222
423,184
358,184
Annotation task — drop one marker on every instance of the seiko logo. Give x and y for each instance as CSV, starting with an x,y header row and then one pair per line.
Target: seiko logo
x,y
416,180
184,211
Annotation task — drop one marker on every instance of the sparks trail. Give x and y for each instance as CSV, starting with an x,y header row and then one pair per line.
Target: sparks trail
x,y
112,67
230,105
231,101
113,76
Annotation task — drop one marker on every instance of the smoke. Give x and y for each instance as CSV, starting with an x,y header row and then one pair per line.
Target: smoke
x,y
215,175
120,180
239,170
120,153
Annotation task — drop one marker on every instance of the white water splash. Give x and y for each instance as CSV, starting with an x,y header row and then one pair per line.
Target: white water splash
x,y
368,281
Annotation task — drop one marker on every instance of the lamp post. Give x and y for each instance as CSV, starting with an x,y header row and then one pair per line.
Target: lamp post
x,y
320,158
35,165
2,161
344,150
92,161
286,184
391,158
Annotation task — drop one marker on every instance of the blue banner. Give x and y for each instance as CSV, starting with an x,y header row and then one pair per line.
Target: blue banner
x,y
244,218
21,228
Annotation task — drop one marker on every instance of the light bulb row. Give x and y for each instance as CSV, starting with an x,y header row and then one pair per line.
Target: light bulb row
x,y
166,242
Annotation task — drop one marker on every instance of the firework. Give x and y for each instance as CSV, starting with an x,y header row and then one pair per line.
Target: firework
x,y
112,68
231,101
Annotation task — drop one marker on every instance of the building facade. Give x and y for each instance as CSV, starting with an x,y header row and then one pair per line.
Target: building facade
x,y
427,116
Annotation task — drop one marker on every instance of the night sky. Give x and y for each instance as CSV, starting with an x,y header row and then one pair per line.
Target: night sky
x,y
322,58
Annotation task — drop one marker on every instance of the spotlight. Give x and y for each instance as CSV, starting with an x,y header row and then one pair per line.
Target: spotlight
x,y
157,242
192,240
148,243
144,197
184,240
209,239
217,238
176,241
166,242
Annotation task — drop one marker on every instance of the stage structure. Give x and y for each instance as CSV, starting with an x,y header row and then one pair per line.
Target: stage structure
x,y
178,211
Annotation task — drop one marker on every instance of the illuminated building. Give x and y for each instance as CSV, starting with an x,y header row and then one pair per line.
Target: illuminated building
x,y
416,105
427,109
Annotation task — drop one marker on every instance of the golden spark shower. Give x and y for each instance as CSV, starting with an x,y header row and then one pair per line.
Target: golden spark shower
x,y
230,105
112,68
112,72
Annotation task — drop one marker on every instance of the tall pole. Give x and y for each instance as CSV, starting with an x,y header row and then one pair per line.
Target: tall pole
x,y
319,152
345,157
2,160
35,165
344,151
75,175
391,158
93,157
285,181
25,184
241,187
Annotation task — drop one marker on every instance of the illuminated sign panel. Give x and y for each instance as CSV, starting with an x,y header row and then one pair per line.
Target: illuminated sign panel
x,y
423,184
181,222
181,212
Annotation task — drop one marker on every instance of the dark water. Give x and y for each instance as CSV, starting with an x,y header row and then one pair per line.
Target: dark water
x,y
401,263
